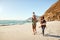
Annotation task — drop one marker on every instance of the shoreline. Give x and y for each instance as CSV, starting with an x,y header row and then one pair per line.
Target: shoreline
x,y
24,32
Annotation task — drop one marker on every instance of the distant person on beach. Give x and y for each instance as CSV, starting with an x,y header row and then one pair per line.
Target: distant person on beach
x,y
34,23
43,24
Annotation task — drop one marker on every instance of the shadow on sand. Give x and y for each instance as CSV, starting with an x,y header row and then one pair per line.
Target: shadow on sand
x,y
50,35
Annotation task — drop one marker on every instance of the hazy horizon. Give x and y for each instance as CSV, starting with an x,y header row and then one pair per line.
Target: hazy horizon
x,y
22,9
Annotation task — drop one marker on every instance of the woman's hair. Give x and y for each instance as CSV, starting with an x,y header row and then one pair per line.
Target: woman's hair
x,y
42,17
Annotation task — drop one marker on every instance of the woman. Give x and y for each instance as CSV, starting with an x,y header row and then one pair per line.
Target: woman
x,y
43,24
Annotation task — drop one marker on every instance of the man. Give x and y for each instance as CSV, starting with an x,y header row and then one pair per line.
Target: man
x,y
34,23
43,24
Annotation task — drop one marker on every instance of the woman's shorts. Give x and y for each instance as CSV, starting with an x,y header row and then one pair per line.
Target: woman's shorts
x,y
43,26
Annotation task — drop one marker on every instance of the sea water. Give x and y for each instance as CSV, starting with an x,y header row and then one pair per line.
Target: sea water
x,y
12,22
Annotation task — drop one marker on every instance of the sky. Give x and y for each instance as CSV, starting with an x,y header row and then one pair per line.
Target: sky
x,y
23,9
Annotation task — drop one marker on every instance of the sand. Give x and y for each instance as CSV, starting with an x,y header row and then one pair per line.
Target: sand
x,y
24,32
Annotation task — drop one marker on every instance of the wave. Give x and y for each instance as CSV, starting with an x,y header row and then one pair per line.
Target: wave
x,y
11,22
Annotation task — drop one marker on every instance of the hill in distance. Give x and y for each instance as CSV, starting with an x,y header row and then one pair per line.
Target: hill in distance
x,y
53,13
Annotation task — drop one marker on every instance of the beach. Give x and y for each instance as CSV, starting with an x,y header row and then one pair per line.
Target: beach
x,y
24,32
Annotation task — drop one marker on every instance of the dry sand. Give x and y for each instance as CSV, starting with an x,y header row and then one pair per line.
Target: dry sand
x,y
24,32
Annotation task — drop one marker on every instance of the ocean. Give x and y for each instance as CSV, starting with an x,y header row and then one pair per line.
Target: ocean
x,y
12,22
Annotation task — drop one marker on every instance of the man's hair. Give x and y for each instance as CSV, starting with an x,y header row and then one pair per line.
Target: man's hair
x,y
33,12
